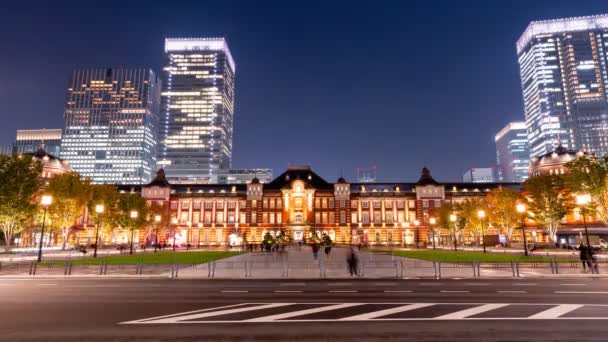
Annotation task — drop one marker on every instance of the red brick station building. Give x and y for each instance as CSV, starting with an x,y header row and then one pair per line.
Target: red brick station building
x,y
301,203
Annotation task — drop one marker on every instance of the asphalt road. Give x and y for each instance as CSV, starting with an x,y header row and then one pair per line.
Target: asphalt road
x,y
292,310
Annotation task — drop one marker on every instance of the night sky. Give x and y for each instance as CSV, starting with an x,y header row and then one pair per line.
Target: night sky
x,y
333,84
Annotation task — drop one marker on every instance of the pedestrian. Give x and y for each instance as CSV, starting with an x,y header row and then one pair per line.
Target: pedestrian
x,y
592,261
352,262
583,255
327,251
315,250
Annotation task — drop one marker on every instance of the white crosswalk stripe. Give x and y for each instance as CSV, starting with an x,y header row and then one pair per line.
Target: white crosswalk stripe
x,y
302,312
472,311
386,312
556,312
369,312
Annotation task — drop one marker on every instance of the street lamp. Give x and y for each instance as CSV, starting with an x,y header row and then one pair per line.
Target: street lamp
x,y
582,200
453,219
99,209
481,214
521,208
157,219
134,215
45,200
433,221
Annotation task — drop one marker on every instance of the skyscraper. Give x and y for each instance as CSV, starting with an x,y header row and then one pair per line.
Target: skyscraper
x,y
111,119
197,109
30,140
479,175
564,76
512,152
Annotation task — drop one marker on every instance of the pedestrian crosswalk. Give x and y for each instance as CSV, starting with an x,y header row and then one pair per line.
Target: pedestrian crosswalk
x,y
369,312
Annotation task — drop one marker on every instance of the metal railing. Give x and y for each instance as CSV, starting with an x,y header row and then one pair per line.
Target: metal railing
x,y
314,269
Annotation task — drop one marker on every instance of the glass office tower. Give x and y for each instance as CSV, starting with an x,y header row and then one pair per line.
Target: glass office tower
x,y
197,105
31,140
512,152
111,123
563,69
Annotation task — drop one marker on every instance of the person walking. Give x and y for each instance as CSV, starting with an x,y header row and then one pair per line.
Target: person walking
x,y
592,261
352,262
327,251
315,250
583,256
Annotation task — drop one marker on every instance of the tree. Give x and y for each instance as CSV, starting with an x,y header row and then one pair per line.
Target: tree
x,y
108,196
160,210
468,210
590,175
548,201
70,194
502,212
128,203
445,213
19,183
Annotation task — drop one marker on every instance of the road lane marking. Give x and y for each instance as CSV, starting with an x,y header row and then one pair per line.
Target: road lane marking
x,y
477,284
549,311
339,284
397,291
342,291
287,291
573,284
302,312
234,291
511,291
45,284
190,318
556,312
385,312
470,312
581,292
8,284
525,284
430,284
385,284
183,313
293,284
454,291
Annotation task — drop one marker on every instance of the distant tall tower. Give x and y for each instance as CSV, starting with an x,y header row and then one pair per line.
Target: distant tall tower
x,y
512,152
197,109
111,119
564,77
366,175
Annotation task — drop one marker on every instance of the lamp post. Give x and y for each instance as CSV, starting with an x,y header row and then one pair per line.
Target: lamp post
x,y
416,224
521,208
453,219
481,214
46,200
99,209
582,200
134,215
432,221
157,219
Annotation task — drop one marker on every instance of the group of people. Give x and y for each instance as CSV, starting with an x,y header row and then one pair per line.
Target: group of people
x,y
588,259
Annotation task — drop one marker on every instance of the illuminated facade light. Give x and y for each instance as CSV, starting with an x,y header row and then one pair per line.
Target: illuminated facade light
x,y
111,124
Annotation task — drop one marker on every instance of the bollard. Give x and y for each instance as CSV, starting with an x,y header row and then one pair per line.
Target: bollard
x,y
556,266
401,269
213,269
513,268
396,270
439,269
474,266
517,268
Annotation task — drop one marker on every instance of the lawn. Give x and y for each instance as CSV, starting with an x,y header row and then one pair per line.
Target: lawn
x,y
170,257
465,256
